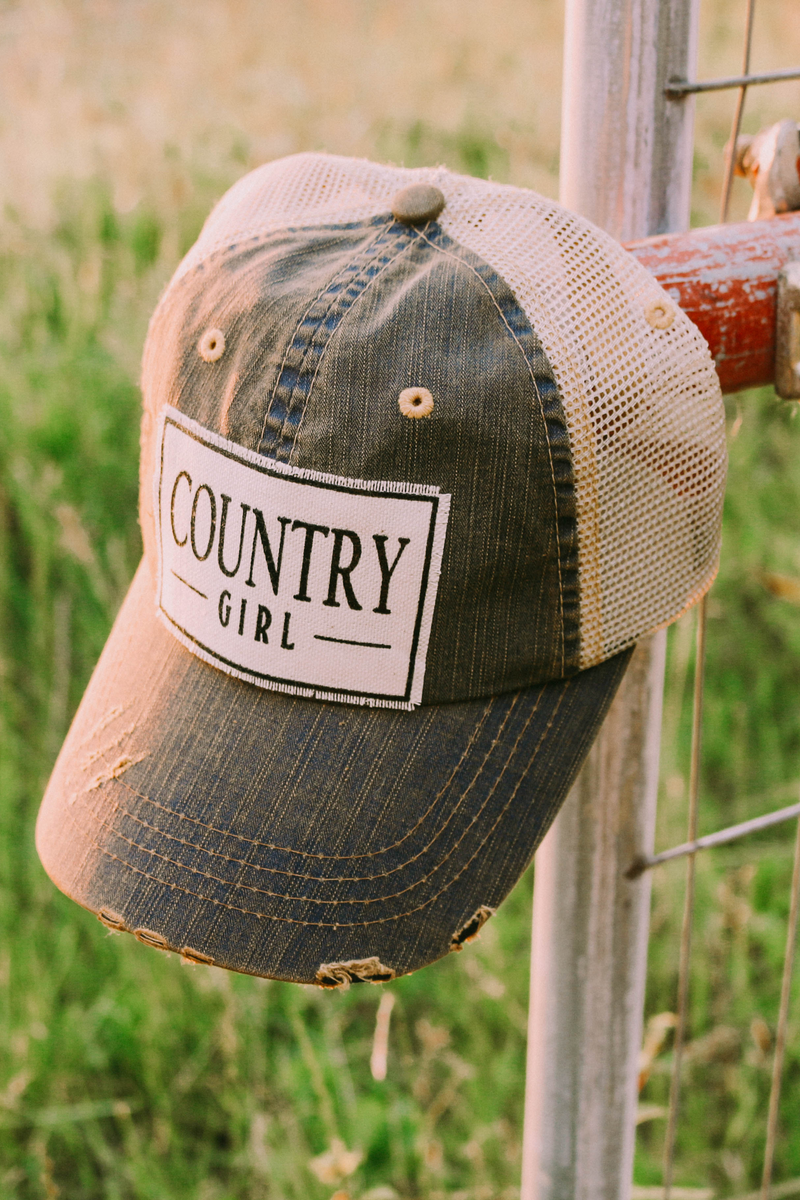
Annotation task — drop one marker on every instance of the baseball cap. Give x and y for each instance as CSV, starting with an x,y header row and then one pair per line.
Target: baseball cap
x,y
423,456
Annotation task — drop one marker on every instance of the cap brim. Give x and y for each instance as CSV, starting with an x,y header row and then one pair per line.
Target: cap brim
x,y
301,840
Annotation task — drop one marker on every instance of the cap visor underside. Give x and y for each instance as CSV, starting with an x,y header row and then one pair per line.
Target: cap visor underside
x,y
297,839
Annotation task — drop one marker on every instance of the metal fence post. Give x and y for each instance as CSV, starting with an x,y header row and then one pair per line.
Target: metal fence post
x,y
626,157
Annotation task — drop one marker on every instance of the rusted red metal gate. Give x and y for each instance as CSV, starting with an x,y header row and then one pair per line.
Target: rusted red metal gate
x,y
725,278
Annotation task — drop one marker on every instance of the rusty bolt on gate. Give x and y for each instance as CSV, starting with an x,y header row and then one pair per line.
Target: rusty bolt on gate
x,y
771,161
787,334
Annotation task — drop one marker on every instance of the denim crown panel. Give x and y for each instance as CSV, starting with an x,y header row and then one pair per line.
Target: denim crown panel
x,y
324,328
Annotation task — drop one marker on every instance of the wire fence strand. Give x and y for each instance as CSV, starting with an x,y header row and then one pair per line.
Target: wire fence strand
x,y
688,906
720,838
676,89
783,1021
730,158
693,843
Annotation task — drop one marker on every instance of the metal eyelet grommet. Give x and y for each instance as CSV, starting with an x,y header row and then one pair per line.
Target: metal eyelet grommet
x,y
211,345
415,402
660,314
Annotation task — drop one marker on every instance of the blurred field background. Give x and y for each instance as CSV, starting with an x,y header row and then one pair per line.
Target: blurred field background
x,y
124,1074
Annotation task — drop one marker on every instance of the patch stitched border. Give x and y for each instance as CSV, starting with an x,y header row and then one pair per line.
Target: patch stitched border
x,y
434,526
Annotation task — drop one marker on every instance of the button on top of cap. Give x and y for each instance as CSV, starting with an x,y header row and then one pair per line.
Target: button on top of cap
x,y
417,203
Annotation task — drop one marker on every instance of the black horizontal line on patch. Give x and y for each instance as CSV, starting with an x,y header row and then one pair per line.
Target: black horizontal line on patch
x,y
351,642
298,683
189,585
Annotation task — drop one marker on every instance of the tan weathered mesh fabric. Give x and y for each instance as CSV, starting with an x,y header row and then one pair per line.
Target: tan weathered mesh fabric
x,y
637,381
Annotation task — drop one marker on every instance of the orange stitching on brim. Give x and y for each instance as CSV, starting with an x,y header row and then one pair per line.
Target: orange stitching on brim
x,y
335,878
341,857
320,924
311,899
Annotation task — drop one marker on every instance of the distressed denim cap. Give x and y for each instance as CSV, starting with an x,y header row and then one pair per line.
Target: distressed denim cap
x,y
423,456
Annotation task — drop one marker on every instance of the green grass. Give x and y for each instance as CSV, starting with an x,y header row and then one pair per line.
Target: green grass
x,y
124,1073
751,764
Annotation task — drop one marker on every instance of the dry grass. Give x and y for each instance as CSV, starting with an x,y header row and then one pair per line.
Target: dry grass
x,y
141,90
147,93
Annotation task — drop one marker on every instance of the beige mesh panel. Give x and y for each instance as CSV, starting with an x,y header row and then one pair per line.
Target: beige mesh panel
x,y
641,397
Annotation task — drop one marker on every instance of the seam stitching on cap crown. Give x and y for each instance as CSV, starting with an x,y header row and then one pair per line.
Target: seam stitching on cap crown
x,y
287,397
407,240
545,421
323,290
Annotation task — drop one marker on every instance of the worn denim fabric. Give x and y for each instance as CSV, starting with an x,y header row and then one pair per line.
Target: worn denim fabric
x,y
274,835
323,329
285,836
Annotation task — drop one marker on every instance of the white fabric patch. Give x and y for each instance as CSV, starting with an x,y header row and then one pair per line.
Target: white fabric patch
x,y
294,580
